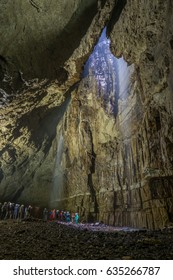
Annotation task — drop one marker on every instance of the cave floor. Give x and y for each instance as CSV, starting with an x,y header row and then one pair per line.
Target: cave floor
x,y
38,240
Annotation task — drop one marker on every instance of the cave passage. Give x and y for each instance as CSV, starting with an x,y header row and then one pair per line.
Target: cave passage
x,y
111,74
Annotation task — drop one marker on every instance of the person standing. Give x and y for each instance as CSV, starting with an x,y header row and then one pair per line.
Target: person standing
x,y
76,218
45,215
11,211
16,209
21,212
53,214
72,217
61,215
29,210
68,217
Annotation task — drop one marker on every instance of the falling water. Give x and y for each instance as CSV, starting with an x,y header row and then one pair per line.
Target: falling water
x,y
124,75
57,191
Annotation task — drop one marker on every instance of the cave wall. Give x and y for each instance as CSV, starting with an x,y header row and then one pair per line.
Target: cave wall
x,y
38,37
32,99
118,170
146,41
28,144
37,40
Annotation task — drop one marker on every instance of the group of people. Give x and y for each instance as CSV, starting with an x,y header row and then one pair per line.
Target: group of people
x,y
9,210
60,215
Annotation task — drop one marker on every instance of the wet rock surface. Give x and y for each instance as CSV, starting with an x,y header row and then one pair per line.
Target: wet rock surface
x,y
35,239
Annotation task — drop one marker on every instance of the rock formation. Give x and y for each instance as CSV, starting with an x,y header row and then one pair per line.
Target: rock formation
x,y
112,166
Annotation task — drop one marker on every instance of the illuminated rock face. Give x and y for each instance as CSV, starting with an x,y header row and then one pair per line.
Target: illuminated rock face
x,y
32,103
115,161
37,40
121,169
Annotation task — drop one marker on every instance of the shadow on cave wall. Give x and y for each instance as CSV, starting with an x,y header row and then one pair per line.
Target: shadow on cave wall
x,y
48,63
116,12
42,126
42,123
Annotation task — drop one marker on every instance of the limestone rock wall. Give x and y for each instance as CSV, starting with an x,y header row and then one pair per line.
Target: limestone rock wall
x,y
28,144
147,43
115,169
120,171
38,37
37,40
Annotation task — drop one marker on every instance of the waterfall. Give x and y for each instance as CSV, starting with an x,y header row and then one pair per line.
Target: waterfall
x,y
124,74
58,180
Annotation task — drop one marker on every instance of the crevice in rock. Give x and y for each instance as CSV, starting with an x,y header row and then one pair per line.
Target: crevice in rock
x,y
102,3
92,190
116,12
1,175
171,43
35,5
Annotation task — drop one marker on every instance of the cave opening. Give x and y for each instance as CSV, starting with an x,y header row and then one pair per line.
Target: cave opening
x,y
112,74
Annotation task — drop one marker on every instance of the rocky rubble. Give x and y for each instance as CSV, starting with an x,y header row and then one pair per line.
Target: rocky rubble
x,y
37,240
